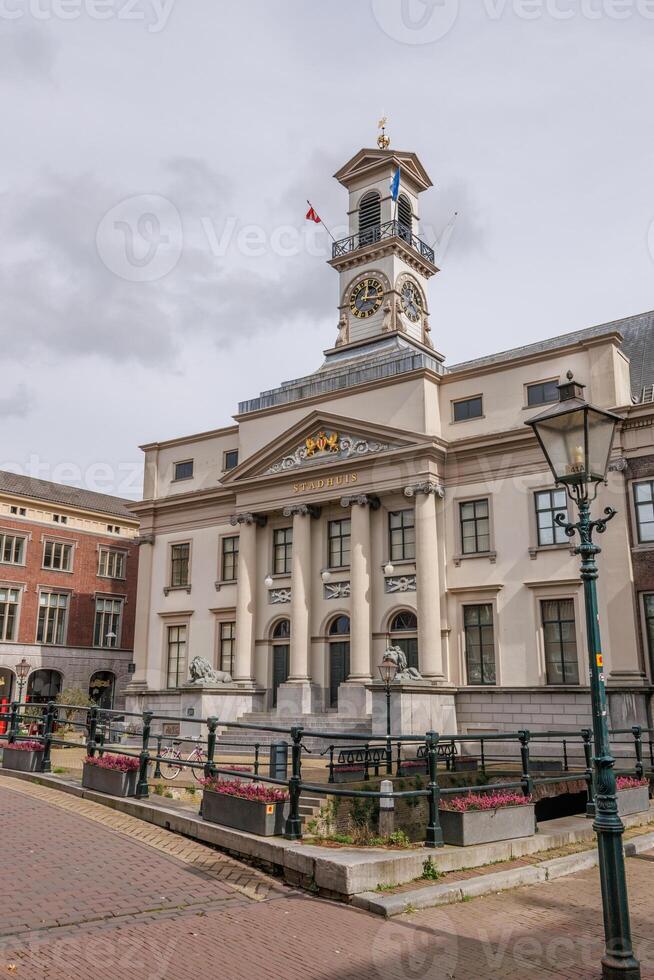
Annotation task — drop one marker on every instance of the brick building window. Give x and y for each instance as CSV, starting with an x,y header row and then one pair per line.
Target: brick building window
x,y
402,535
475,527
111,564
180,555
60,518
227,643
549,503
53,610
176,640
339,535
282,550
644,505
9,599
480,644
229,559
560,638
108,615
12,549
18,511
58,556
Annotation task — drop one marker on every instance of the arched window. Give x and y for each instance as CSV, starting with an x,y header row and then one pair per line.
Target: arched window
x,y
340,626
281,651
339,656
43,686
102,687
405,217
369,218
282,630
6,692
404,634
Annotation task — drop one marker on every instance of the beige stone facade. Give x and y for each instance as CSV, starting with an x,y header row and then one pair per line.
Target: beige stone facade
x,y
389,495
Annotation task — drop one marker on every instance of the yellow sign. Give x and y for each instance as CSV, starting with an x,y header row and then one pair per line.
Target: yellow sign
x,y
326,483
600,660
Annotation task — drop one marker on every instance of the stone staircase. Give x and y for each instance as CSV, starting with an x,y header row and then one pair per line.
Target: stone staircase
x,y
325,722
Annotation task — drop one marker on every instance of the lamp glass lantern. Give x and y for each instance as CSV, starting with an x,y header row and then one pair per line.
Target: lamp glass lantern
x,y
22,669
387,671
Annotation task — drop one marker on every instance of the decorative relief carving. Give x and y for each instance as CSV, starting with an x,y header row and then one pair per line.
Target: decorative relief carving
x,y
401,583
343,330
336,590
304,510
278,597
323,445
362,500
619,465
428,487
259,519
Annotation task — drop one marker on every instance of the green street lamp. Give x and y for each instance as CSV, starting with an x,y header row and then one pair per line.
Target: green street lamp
x,y
576,439
387,671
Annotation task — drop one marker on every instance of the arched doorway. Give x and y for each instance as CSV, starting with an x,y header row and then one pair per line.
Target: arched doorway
x,y
339,656
102,688
43,686
404,634
281,648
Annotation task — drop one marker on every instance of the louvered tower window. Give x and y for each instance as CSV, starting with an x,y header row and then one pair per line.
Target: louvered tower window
x,y
369,218
405,217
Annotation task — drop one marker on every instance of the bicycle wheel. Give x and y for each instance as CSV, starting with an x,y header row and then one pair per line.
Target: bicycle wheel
x,y
197,756
169,769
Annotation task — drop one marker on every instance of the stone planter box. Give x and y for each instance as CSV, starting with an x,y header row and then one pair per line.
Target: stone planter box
x,y
349,775
251,816
486,826
463,763
21,760
633,800
110,781
411,768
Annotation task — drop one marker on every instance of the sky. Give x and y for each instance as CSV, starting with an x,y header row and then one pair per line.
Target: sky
x,y
156,267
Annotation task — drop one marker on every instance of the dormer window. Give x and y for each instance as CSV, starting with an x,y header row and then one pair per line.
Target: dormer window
x,y
369,218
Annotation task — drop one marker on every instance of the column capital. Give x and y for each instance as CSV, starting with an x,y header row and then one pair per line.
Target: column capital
x,y
363,500
259,519
302,510
429,486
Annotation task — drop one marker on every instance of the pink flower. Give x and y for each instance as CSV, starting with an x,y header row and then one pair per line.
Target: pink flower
x,y
121,763
26,746
629,782
246,791
484,801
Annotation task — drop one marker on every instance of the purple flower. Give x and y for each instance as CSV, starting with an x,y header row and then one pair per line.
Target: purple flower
x,y
629,782
26,746
484,801
121,763
246,791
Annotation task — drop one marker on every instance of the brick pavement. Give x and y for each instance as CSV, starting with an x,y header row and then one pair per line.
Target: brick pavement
x,y
90,893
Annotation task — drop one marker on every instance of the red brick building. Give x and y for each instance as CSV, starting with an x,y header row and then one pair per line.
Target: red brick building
x,y
68,572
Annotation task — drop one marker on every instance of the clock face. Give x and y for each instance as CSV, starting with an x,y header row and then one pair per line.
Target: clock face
x,y
411,302
366,298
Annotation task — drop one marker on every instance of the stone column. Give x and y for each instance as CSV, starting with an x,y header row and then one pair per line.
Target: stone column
x,y
360,587
148,672
428,586
246,597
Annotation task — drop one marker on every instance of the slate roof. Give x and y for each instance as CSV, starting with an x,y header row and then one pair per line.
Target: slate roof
x,y
638,345
58,493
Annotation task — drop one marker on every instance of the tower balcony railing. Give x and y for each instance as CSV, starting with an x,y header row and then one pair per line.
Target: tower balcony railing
x,y
379,233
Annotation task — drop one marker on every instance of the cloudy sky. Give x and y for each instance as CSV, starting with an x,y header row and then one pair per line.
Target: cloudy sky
x,y
155,265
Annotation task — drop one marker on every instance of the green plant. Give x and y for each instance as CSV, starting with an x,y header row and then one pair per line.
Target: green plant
x,y
168,794
399,839
158,789
58,770
191,790
386,888
74,698
429,871
312,826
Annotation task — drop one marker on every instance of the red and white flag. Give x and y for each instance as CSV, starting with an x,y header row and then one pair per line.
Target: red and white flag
x,y
311,215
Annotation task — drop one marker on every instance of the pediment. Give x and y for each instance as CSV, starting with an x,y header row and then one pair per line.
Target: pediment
x,y
322,439
366,162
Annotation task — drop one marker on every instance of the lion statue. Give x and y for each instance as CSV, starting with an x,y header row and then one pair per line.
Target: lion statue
x,y
202,672
397,656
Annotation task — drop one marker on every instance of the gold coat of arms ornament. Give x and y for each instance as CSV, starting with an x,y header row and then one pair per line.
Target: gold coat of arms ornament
x,y
323,442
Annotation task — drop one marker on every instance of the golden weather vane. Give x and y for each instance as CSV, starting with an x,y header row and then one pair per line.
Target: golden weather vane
x,y
383,141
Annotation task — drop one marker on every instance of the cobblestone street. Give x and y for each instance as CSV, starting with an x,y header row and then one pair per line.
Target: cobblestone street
x,y
91,893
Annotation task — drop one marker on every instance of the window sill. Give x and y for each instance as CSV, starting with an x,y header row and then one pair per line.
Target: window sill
x,y
177,588
15,564
61,571
221,583
406,565
491,556
535,550
113,578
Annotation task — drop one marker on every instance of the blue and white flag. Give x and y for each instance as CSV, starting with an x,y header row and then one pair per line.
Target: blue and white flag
x,y
395,185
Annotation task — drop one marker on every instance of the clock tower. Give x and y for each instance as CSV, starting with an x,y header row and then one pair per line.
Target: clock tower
x,y
383,264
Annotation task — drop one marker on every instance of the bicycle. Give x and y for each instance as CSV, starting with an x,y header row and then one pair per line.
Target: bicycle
x,y
172,754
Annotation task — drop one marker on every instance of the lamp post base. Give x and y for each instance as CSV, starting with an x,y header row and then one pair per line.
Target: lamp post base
x,y
615,968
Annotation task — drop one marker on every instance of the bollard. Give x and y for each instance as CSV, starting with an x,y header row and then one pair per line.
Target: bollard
x,y
587,735
91,729
294,821
638,745
386,809
434,837
142,785
526,779
48,726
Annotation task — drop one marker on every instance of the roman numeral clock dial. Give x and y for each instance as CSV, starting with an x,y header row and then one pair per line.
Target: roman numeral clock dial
x,y
366,298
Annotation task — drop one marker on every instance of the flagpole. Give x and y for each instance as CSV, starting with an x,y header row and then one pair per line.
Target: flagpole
x,y
321,221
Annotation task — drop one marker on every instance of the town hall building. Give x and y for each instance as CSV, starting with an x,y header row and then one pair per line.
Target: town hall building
x,y
390,498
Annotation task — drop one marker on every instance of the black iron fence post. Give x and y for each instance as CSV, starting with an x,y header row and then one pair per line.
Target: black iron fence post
x,y
434,836
157,768
48,725
331,764
587,735
566,766
638,745
91,730
212,725
13,723
483,757
256,758
102,733
398,767
294,821
526,779
144,757
366,762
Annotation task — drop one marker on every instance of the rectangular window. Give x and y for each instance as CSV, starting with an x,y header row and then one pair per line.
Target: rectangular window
x,y
12,549
480,644
282,550
229,561
475,527
339,537
19,511
113,529
58,556
106,631
179,564
53,607
176,647
60,519
9,599
644,504
227,641
648,603
468,408
402,535
111,564
549,503
560,639
542,393
231,459
183,470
